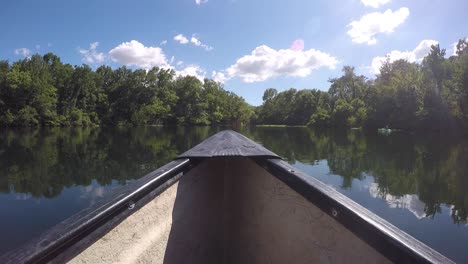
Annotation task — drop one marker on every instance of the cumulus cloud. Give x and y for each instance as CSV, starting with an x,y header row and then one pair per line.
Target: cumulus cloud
x,y
134,53
195,41
218,77
192,70
181,39
23,52
265,63
297,45
91,55
375,3
199,2
415,55
368,26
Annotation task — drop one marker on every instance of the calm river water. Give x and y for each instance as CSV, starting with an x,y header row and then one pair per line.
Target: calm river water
x,y
418,183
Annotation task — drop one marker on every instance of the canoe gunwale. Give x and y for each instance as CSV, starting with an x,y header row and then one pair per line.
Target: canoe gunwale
x,y
389,240
67,239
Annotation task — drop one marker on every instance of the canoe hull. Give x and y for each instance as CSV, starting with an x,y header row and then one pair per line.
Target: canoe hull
x,y
230,210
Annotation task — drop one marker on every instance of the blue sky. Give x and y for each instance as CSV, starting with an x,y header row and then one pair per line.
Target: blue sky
x,y
250,45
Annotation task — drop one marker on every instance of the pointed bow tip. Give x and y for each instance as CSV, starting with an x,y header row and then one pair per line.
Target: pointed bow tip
x,y
228,143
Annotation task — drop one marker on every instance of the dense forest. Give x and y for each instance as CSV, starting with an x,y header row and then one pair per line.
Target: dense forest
x,y
41,90
430,95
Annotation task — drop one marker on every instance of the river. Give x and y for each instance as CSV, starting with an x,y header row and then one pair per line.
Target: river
x,y
416,182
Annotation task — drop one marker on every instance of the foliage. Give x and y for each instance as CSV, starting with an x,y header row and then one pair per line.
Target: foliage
x,y
432,95
41,90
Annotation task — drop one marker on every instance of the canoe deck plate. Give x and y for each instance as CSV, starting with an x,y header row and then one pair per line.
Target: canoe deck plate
x,y
228,143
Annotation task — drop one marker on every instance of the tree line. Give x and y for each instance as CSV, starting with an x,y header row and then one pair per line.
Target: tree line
x,y
404,95
41,90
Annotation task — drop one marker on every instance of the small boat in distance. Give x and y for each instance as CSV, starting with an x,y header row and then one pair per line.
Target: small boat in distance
x,y
227,200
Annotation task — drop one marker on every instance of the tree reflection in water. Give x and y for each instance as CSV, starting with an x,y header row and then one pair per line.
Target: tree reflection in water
x,y
43,162
50,174
432,167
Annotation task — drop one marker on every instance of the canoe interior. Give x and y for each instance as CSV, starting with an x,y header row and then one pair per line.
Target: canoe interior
x,y
229,210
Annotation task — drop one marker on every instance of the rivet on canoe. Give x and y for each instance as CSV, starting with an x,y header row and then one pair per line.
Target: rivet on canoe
x,y
131,205
291,170
334,212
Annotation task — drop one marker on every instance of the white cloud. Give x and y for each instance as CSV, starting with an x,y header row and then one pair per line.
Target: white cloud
x,y
454,48
265,63
199,2
91,55
135,53
368,26
415,55
164,42
192,70
23,52
375,3
195,41
181,39
218,76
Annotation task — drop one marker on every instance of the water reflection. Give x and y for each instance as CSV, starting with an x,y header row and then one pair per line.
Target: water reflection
x,y
410,202
42,162
411,171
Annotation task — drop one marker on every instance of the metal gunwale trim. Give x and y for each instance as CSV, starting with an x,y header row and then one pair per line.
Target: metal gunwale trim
x,y
81,227
347,211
